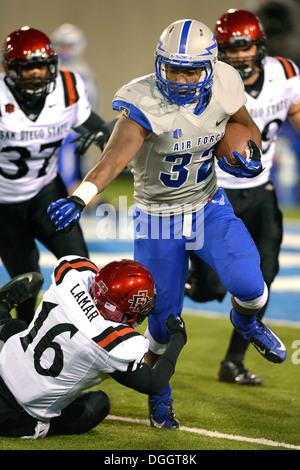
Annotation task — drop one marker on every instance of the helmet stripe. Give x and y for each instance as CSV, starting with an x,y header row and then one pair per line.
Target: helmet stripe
x,y
184,36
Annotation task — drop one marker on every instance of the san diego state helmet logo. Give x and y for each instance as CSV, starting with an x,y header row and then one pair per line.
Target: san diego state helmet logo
x,y
139,300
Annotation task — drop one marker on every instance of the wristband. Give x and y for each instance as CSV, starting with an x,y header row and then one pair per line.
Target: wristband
x,y
86,191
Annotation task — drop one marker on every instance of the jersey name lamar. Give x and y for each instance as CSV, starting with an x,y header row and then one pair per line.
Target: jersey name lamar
x,y
84,302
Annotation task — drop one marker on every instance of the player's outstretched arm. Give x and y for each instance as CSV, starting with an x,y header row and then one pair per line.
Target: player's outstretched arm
x,y
152,381
125,141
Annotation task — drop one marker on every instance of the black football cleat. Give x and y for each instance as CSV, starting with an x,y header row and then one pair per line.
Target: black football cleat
x,y
235,373
21,288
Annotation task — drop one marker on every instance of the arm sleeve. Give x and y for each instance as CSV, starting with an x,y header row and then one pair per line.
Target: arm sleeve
x,y
93,122
152,381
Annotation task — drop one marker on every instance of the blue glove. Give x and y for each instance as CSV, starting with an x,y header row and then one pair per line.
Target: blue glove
x,y
245,169
66,212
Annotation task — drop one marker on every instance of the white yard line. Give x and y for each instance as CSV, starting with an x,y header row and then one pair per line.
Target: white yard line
x,y
213,434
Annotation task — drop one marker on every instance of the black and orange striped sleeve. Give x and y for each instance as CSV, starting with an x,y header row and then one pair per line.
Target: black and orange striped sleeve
x,y
111,337
70,90
80,264
288,67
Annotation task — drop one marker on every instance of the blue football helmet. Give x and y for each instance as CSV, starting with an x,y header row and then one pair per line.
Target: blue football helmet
x,y
190,44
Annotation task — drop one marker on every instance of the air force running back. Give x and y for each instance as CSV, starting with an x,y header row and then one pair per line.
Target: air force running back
x,y
174,165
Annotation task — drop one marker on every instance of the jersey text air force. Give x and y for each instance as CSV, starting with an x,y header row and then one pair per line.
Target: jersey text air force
x,y
175,165
69,346
28,158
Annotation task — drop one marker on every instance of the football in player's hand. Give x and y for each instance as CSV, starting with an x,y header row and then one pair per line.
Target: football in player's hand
x,y
236,138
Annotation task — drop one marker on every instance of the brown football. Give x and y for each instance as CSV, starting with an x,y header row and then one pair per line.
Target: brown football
x,y
236,138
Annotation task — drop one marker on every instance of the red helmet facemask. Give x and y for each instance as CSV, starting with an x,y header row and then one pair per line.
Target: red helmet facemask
x,y
238,28
124,292
28,47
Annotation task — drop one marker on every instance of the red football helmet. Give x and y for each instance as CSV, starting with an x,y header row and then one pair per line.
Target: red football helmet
x,y
24,48
124,292
238,28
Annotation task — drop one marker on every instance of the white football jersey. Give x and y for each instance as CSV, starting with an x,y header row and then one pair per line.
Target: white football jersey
x,y
28,149
175,165
269,109
69,346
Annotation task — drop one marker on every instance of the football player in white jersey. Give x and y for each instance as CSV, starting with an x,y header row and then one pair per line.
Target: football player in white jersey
x,y
38,107
82,333
171,121
272,87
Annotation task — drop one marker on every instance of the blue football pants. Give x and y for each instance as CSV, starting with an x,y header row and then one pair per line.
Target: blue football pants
x,y
217,236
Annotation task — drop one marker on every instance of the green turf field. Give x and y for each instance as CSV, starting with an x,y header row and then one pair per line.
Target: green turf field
x,y
270,412
212,415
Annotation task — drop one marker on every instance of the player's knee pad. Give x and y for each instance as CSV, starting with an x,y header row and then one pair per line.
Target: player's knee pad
x,y
82,415
254,304
93,407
